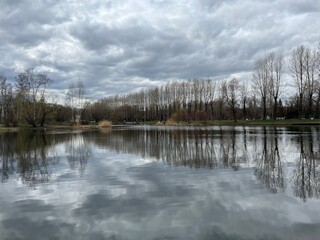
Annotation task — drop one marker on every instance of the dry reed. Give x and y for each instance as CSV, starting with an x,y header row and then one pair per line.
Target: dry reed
x,y
105,124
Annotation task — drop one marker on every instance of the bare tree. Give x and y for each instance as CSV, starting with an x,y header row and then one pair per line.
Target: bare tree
x,y
310,72
2,89
211,89
317,83
31,89
222,99
232,93
154,97
244,94
7,111
275,82
260,78
297,70
71,100
76,100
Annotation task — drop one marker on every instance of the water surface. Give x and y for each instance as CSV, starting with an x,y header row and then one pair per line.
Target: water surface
x,y
161,183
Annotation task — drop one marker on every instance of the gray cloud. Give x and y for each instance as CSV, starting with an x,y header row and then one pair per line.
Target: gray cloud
x,y
119,46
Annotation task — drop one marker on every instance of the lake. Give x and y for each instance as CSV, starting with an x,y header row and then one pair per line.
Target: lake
x,y
161,183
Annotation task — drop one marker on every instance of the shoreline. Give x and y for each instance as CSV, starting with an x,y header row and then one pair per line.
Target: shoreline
x,y
291,122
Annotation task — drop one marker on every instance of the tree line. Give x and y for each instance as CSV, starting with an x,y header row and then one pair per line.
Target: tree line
x,y
209,99
28,101
194,100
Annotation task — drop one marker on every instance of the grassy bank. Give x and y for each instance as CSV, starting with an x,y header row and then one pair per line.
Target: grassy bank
x,y
48,127
282,122
8,129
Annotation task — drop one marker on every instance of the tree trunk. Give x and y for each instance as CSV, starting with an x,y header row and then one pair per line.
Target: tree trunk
x,y
264,100
244,110
275,108
310,112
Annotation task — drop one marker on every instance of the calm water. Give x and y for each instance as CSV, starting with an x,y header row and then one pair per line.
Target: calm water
x,y
161,183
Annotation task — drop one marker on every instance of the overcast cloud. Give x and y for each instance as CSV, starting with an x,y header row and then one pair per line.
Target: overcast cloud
x,y
122,45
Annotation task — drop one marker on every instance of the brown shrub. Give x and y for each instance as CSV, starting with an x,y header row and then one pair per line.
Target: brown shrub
x,y
105,124
171,122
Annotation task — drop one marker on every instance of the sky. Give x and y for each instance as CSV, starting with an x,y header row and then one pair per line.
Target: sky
x,y
120,46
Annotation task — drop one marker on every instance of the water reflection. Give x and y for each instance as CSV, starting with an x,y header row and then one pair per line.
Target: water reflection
x,y
269,170
78,152
7,156
30,155
270,151
194,148
26,155
306,176
279,157
161,183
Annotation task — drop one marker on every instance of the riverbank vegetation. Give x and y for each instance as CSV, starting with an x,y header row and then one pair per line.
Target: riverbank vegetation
x,y
105,124
263,99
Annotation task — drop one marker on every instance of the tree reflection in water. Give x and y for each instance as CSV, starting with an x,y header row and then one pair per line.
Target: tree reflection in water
x,y
29,155
269,169
223,148
194,148
78,152
7,167
306,176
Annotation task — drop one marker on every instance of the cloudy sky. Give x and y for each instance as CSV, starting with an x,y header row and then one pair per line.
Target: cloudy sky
x,y
123,45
